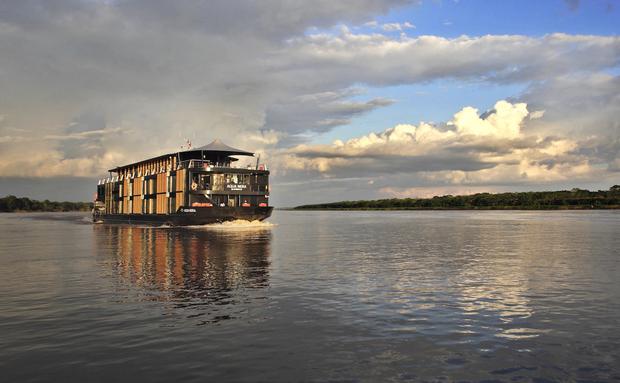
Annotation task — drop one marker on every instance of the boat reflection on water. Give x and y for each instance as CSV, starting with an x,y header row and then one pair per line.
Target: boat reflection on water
x,y
198,269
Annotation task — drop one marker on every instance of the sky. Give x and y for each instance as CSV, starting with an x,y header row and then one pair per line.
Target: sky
x,y
350,99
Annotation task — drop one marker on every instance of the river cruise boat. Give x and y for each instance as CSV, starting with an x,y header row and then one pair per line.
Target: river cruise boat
x,y
192,187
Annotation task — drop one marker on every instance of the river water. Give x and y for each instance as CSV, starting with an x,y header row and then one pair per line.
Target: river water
x,y
313,297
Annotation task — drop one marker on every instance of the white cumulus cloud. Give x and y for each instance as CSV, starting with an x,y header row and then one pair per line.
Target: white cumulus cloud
x,y
470,149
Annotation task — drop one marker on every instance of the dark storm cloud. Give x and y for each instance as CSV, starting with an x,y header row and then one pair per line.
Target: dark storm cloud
x,y
169,70
603,150
84,136
274,19
586,104
319,112
385,164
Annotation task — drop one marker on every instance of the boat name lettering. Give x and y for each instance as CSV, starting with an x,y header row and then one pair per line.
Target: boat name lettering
x,y
236,186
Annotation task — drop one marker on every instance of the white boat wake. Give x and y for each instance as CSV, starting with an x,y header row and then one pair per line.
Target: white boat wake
x,y
238,224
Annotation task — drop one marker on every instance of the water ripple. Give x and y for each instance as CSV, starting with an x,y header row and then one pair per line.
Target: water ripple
x,y
314,296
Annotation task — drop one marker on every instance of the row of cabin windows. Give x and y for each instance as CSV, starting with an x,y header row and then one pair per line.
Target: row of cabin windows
x,y
236,178
149,186
232,178
256,182
148,205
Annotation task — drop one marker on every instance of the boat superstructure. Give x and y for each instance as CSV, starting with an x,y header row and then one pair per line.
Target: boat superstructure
x,y
191,187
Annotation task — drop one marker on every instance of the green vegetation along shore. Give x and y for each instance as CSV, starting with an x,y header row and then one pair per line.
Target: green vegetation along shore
x,y
15,204
547,200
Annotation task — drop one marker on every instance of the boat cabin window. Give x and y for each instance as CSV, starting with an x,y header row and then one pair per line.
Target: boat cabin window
x,y
236,178
198,198
172,203
201,182
101,193
205,181
262,179
172,182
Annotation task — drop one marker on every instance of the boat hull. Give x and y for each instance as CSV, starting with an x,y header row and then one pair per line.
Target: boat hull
x,y
191,216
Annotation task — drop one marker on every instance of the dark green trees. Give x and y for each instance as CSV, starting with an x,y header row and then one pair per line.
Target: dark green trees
x,y
12,203
565,199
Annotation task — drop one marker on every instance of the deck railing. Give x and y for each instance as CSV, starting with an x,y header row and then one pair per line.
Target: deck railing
x,y
206,164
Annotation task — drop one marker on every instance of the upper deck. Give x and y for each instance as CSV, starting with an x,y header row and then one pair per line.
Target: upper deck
x,y
215,156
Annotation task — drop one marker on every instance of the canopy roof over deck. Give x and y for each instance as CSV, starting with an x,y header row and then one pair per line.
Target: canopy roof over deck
x,y
223,149
216,150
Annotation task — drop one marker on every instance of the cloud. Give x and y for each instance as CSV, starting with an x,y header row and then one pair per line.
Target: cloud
x,y
431,191
583,104
390,27
319,112
397,27
503,122
11,139
471,149
166,70
53,163
89,85
537,114
380,60
269,18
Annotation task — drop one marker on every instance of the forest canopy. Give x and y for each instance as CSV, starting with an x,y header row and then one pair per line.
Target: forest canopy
x,y
12,203
565,199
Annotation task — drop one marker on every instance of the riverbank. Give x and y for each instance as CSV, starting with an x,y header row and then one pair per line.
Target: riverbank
x,y
575,199
550,208
13,204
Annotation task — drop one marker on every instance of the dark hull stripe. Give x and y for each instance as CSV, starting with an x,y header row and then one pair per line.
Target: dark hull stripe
x,y
191,216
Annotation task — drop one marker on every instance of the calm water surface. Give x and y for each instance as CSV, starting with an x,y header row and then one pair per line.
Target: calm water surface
x,y
318,296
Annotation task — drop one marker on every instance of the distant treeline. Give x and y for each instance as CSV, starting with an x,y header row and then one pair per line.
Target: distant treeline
x,y
12,203
566,199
